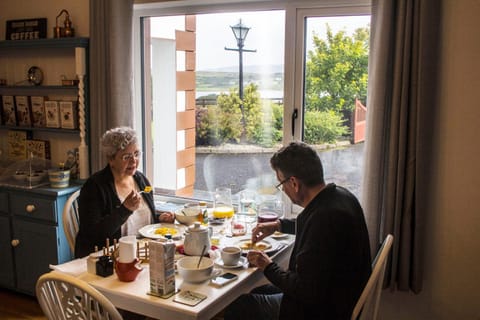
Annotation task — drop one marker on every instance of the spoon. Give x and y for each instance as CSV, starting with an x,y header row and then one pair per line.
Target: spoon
x,y
147,189
201,256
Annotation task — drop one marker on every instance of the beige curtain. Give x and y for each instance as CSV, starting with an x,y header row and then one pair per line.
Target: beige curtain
x,y
111,71
401,124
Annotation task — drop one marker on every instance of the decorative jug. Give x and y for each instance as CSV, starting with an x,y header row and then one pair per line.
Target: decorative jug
x,y
196,237
127,272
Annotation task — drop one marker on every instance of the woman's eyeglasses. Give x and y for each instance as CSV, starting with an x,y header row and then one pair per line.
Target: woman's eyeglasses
x,y
280,185
129,156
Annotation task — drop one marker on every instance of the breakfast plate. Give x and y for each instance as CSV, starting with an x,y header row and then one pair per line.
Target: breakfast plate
x,y
159,230
243,261
263,245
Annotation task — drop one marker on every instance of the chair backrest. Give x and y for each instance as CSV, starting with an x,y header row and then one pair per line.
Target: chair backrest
x,y
62,296
368,303
71,219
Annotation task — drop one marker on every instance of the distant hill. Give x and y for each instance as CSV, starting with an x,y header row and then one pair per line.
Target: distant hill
x,y
224,80
272,68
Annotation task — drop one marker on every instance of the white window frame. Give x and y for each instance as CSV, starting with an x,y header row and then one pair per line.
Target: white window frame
x,y
295,13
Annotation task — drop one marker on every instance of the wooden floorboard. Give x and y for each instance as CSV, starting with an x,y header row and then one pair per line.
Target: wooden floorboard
x,y
15,306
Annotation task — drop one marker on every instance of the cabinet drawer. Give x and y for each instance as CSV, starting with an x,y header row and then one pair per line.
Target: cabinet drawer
x,y
3,202
33,207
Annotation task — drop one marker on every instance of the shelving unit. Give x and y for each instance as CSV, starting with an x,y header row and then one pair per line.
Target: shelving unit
x,y
31,219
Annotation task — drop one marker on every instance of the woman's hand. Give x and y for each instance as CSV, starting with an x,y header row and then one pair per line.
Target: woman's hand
x,y
265,229
167,217
132,201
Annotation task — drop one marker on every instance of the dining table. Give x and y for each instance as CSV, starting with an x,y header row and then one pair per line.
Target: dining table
x,y
135,296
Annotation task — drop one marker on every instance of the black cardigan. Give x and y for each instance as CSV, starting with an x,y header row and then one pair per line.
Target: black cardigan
x,y
330,262
101,212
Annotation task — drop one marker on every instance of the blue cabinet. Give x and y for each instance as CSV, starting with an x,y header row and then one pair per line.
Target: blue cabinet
x,y
31,235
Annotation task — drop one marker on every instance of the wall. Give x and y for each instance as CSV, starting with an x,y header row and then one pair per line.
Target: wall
x,y
452,286
26,9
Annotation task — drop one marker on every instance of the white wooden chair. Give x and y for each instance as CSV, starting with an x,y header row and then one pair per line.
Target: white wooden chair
x,y
71,219
368,303
62,296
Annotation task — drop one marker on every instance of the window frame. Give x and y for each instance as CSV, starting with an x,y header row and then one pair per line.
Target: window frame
x,y
296,11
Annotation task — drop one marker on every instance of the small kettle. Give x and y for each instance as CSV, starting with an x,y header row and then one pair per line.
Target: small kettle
x,y
196,237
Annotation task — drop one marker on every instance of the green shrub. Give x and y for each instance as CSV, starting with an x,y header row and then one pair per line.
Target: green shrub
x,y
323,127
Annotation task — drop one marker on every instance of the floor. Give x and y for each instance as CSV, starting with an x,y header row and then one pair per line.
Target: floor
x,y
15,306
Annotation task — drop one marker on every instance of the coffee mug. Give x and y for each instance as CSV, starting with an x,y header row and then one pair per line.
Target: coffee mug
x,y
231,255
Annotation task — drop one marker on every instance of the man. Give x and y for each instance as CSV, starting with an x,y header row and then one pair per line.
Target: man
x,y
330,262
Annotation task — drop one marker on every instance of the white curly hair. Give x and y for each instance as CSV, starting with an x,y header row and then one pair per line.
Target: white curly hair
x,y
117,139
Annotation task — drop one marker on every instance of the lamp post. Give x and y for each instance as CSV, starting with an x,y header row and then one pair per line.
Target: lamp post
x,y
240,32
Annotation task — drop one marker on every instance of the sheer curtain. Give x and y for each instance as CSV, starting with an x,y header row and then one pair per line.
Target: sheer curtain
x,y
111,71
401,124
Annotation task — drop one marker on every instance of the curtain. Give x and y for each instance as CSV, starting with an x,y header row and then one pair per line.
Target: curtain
x,y
111,71
400,127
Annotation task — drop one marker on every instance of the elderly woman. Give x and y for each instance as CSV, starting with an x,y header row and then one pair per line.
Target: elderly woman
x,y
110,202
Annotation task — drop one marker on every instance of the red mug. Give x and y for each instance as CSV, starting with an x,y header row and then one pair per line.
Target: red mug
x,y
127,272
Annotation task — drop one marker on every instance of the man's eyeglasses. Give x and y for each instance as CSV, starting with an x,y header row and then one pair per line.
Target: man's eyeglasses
x,y
280,185
129,156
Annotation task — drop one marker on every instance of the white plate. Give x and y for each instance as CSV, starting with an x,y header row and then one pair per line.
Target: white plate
x,y
270,245
148,231
243,261
279,235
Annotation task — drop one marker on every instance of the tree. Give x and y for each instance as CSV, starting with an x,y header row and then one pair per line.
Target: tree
x,y
337,71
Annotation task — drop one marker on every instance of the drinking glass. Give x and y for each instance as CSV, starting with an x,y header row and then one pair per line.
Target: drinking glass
x,y
270,209
222,203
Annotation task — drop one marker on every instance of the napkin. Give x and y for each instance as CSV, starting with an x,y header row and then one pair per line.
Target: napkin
x,y
75,267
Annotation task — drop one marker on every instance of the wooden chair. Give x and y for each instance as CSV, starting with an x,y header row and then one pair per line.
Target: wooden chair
x,y
71,219
368,303
62,296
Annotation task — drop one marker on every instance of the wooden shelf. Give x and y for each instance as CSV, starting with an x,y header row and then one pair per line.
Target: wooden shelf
x,y
37,90
45,43
38,129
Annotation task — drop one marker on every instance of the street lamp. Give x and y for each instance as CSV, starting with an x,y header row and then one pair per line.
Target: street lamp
x,y
240,32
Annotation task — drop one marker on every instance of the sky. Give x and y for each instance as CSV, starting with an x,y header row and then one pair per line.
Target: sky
x,y
266,36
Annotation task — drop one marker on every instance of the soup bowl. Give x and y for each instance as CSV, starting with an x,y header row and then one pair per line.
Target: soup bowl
x,y
187,269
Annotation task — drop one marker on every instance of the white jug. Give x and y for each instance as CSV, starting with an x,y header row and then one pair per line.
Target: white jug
x,y
196,237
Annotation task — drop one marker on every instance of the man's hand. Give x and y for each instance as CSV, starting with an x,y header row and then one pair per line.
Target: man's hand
x,y
265,229
258,259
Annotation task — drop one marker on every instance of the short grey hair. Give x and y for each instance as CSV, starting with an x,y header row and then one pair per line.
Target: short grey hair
x,y
117,139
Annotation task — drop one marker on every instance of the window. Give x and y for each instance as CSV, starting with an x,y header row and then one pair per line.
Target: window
x,y
198,135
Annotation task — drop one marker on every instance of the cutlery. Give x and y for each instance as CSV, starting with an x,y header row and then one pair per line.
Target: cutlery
x,y
147,189
201,256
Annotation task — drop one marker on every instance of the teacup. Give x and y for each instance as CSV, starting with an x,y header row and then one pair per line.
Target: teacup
x,y
188,270
231,255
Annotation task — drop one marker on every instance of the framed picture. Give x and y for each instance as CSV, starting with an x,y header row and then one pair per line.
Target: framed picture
x,y
39,148
38,111
68,115
17,144
8,110
24,118
52,114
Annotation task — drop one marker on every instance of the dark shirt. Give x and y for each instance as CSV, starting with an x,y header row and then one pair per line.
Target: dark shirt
x,y
330,262
101,211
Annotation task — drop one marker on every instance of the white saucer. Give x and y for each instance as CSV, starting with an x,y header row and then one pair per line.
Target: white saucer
x,y
279,235
241,263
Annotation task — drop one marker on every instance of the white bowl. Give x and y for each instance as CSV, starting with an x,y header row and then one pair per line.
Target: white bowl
x,y
187,269
20,176
34,178
187,216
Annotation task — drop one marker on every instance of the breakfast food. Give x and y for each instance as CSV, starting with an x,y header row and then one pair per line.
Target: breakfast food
x,y
165,230
260,246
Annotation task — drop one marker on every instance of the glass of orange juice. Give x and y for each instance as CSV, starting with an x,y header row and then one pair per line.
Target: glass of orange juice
x,y
222,205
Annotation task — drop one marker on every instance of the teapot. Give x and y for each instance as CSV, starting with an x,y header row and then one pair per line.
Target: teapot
x,y
127,272
196,237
